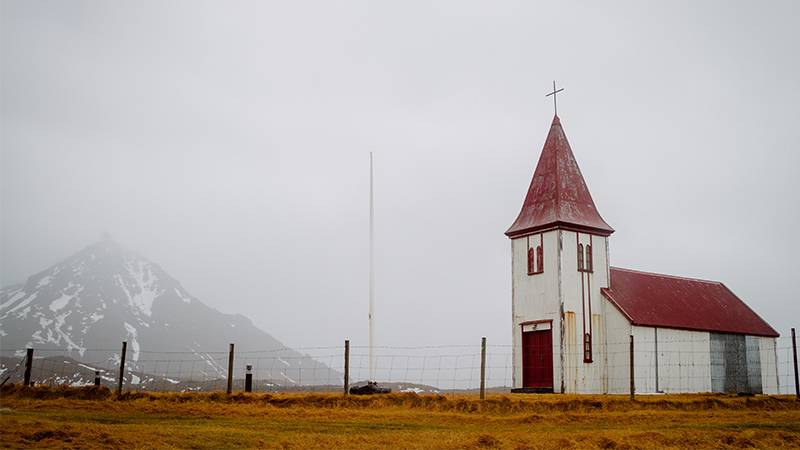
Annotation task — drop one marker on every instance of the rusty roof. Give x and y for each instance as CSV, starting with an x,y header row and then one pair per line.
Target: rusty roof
x,y
656,300
558,196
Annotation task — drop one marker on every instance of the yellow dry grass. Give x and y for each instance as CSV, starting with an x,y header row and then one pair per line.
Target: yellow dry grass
x,y
94,418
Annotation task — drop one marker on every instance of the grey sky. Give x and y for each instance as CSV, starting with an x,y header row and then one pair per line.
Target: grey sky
x,y
228,142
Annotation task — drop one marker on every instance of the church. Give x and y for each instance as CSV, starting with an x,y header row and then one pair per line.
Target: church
x,y
573,314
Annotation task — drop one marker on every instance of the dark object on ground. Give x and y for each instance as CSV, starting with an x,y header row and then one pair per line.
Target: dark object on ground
x,y
368,389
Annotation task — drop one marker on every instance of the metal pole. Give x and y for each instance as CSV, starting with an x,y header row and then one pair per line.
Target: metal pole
x,y
29,366
230,370
633,386
483,367
346,366
794,352
122,367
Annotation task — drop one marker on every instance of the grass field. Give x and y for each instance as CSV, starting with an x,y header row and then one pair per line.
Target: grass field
x,y
94,418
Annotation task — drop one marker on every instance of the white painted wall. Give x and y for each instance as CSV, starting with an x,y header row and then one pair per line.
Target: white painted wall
x,y
579,375
617,349
535,297
684,361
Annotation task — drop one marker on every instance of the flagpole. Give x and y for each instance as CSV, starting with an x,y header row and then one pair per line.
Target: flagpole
x,y
371,277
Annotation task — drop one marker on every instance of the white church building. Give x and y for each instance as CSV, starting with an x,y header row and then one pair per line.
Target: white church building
x,y
573,313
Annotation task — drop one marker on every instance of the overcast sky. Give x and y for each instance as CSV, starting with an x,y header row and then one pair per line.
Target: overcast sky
x,y
229,142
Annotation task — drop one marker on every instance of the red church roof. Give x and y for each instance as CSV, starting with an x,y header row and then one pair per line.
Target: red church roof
x,y
558,196
655,300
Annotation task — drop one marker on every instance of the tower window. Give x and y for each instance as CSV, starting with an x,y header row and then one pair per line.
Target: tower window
x,y
539,259
580,257
589,263
531,267
535,258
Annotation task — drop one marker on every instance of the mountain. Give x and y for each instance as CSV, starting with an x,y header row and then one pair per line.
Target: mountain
x,y
85,306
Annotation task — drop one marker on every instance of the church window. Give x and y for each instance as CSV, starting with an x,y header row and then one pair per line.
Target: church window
x,y
580,257
587,347
539,259
531,267
589,264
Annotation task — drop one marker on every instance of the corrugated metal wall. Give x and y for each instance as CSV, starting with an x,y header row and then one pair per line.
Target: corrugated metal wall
x,y
735,363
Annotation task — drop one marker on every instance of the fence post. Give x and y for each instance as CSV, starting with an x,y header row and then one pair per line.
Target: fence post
x,y
230,370
346,366
633,386
248,379
483,367
122,367
794,352
28,366
97,378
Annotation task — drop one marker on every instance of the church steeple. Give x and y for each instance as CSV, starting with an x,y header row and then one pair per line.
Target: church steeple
x,y
558,196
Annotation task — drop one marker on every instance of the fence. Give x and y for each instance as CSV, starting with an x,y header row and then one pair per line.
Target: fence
x,y
623,367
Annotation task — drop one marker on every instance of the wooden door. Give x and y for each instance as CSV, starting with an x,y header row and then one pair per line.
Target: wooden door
x,y
537,359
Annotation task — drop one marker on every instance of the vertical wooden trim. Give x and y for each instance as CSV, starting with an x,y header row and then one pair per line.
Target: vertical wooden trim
x,y
633,386
655,342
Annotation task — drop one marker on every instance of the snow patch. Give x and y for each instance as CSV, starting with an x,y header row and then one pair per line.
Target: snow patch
x,y
146,285
37,337
44,281
21,304
18,295
60,302
185,298
132,337
135,379
95,317
287,377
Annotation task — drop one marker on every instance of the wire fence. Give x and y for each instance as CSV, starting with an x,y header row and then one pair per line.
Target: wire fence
x,y
688,365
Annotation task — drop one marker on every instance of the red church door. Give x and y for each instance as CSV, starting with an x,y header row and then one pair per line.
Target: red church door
x,y
537,359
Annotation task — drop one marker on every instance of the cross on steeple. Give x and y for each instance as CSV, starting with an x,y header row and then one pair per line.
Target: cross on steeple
x,y
555,91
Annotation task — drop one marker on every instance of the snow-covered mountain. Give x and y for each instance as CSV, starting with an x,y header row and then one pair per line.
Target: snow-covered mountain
x,y
103,295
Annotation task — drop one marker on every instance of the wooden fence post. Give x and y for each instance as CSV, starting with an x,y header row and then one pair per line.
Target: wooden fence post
x,y
633,386
346,366
97,378
248,379
483,367
794,352
122,367
28,366
230,370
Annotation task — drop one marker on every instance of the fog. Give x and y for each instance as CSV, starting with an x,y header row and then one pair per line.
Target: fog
x,y
229,142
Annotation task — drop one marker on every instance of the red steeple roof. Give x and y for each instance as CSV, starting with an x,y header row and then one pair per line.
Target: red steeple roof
x,y
558,196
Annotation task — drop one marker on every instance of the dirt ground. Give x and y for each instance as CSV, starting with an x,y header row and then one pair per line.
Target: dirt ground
x,y
95,418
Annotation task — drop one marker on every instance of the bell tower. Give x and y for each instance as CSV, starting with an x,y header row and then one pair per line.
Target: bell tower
x,y
559,247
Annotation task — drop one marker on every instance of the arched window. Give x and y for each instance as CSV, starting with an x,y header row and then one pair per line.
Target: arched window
x,y
539,259
580,257
587,347
589,264
531,268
